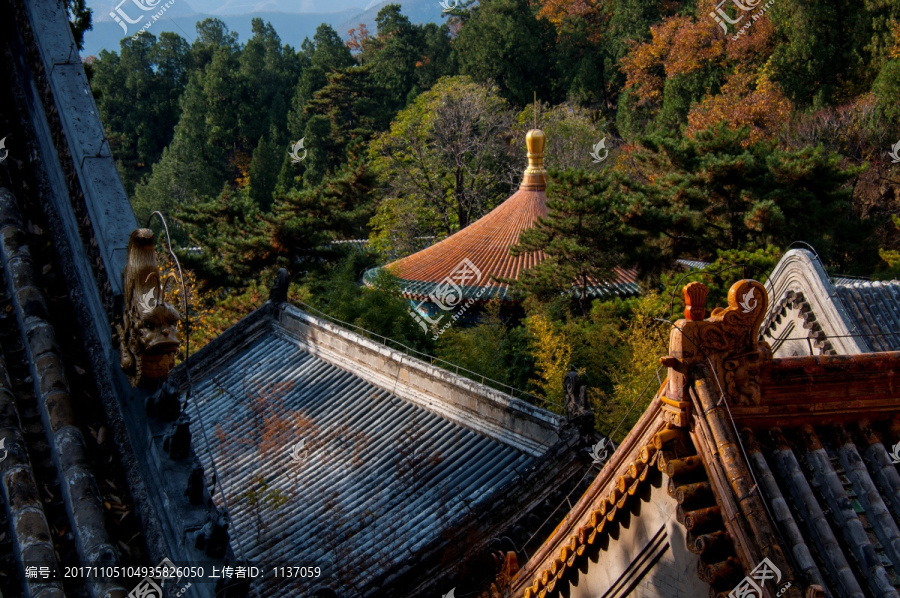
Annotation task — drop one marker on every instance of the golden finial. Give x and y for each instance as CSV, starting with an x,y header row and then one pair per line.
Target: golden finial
x,y
535,178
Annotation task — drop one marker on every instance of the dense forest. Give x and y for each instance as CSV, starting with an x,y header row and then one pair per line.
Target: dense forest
x,y
725,146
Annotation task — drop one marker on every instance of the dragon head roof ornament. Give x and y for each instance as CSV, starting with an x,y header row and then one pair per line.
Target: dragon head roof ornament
x,y
148,334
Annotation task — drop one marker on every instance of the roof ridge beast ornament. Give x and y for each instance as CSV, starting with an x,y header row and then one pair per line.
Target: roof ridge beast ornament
x,y
148,334
727,344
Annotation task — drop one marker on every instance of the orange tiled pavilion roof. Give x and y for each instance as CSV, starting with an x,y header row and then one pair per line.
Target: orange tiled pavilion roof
x,y
477,257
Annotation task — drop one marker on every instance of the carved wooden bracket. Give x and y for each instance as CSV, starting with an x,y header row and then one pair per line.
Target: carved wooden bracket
x,y
726,344
507,565
148,334
675,412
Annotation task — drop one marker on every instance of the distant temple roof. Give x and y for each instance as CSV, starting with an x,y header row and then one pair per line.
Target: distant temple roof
x,y
813,313
482,248
747,475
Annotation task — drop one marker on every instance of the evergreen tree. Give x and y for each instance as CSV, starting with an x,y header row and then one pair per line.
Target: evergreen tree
x,y
232,235
505,44
239,241
339,208
716,192
212,35
137,93
264,172
582,237
342,117
268,74
820,57
196,163
330,53
322,152
325,54
392,56
437,60
312,80
79,20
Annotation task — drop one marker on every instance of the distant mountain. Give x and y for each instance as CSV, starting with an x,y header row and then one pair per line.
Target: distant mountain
x,y
243,7
102,8
294,20
418,12
292,28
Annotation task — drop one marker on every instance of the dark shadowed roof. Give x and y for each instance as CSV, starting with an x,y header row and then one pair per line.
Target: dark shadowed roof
x,y
84,479
367,456
821,451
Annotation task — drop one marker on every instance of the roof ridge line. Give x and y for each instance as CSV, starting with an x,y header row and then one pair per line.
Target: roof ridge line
x,y
533,429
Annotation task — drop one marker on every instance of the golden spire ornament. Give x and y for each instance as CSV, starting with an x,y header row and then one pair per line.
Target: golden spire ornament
x,y
535,178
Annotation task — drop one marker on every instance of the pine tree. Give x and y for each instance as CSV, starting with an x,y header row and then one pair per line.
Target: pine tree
x,y
232,236
692,197
264,172
582,238
503,42
302,222
239,241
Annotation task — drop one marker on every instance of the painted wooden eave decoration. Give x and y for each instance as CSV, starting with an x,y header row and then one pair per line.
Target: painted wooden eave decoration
x,y
688,435
789,459
670,452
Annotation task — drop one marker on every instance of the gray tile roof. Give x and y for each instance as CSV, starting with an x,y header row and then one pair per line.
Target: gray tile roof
x,y
812,311
874,309
689,264
838,492
383,470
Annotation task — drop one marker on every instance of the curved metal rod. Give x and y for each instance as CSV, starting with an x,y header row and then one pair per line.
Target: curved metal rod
x,y
187,370
184,299
811,248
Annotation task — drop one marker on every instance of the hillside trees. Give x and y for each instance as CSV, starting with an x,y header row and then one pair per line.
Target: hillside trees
x,y
137,93
446,156
235,99
239,240
717,192
343,116
324,54
821,57
503,43
392,55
